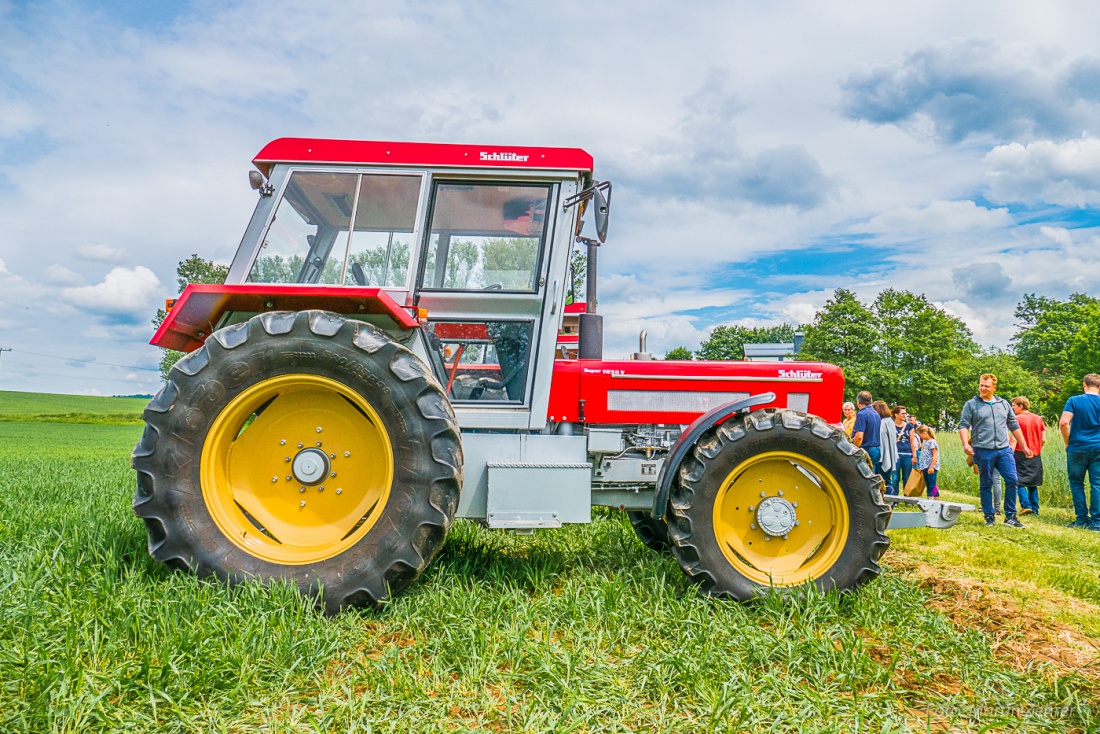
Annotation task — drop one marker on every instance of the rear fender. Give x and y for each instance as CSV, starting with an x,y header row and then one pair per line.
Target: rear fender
x,y
691,435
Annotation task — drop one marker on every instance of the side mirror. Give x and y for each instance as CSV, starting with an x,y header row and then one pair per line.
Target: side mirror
x,y
600,214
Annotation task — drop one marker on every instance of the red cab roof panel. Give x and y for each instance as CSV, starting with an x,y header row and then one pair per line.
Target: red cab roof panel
x,y
374,153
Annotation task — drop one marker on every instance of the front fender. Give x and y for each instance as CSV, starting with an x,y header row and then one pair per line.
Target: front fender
x,y
690,436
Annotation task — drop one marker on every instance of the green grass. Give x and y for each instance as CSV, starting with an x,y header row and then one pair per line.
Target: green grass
x,y
581,629
30,407
955,474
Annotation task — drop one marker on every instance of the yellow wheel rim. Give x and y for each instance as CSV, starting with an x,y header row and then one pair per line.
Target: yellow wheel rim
x,y
777,494
296,469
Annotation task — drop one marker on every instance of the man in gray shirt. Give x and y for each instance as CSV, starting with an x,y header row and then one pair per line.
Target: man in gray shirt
x,y
984,427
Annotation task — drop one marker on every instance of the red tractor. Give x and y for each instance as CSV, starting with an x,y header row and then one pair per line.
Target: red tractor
x,y
385,356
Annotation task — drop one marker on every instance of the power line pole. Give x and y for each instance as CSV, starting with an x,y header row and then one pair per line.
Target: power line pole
x,y
4,349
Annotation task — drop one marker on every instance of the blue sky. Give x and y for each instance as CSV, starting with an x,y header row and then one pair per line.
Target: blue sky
x,y
763,154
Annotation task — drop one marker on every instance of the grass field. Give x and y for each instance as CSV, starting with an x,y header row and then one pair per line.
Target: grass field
x,y
44,408
578,630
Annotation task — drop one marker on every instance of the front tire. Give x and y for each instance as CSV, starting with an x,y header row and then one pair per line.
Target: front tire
x,y
774,500
300,446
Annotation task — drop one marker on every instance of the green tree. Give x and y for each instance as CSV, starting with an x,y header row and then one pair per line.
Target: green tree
x,y
679,353
728,342
901,348
579,262
510,262
845,333
1057,342
1013,379
192,270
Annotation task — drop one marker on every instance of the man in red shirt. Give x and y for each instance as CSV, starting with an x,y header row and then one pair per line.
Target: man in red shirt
x,y
1029,472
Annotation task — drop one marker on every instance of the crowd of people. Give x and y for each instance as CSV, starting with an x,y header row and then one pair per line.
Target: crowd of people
x,y
1003,441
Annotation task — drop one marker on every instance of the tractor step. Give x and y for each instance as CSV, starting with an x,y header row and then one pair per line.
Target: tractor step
x,y
528,495
935,513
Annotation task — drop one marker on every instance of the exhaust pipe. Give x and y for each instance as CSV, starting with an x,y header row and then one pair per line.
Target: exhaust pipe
x,y
642,355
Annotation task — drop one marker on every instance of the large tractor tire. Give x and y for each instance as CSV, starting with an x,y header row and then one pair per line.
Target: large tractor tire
x,y
652,531
304,447
774,500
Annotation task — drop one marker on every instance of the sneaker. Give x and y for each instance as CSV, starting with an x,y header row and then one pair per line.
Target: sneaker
x,y
989,522
1079,524
1026,511
1012,522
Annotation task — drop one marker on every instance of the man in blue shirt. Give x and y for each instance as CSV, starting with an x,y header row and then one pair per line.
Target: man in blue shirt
x,y
867,429
1080,427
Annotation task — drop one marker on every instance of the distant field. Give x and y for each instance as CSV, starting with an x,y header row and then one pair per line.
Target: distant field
x,y
574,630
43,407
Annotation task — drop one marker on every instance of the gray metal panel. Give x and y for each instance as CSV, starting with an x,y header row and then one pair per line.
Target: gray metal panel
x,y
605,440
538,495
479,449
674,401
799,401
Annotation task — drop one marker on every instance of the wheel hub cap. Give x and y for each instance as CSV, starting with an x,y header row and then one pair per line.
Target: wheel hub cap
x,y
775,516
310,466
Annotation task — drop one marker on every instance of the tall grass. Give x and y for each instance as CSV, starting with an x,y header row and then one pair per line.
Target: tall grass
x,y
581,629
959,477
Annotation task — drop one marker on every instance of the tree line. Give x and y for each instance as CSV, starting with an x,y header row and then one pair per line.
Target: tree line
x,y
907,351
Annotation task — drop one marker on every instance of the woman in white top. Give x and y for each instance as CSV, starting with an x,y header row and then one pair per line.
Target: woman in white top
x,y
889,440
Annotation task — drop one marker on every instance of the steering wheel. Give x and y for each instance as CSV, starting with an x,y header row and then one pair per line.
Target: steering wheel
x,y
358,274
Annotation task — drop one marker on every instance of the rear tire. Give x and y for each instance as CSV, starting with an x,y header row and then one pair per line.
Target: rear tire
x,y
300,446
745,504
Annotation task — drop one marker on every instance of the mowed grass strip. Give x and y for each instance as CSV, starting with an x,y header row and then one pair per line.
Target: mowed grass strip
x,y
581,629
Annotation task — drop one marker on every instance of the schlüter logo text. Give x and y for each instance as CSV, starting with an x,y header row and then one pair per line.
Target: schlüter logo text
x,y
799,375
503,157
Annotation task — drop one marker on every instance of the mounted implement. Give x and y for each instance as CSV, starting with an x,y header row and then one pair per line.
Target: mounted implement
x,y
387,354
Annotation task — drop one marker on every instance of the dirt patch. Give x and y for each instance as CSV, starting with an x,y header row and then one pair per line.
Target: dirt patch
x,y
1022,637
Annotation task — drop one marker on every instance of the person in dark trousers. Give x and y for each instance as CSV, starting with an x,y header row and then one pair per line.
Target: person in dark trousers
x,y
867,430
905,438
1029,472
1080,427
984,428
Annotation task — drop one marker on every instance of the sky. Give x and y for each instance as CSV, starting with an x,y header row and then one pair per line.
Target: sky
x,y
762,154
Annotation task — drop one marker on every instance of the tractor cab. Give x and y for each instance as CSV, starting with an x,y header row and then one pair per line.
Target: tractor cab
x,y
472,241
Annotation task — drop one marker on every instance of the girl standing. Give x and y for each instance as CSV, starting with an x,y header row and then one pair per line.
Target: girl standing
x,y
928,460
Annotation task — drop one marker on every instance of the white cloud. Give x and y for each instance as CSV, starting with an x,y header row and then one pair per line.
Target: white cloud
x,y
126,295
939,217
1058,235
1046,171
61,275
101,253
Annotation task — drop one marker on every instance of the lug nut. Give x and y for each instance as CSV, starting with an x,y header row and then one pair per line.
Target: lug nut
x,y
318,429
274,479
318,443
767,537
302,503
332,456
299,445
794,504
781,493
283,442
763,494
333,474
752,526
321,488
339,491
286,458
347,454
288,477
301,489
751,508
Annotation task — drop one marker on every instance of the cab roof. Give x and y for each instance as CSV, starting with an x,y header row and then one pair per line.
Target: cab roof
x,y
378,153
